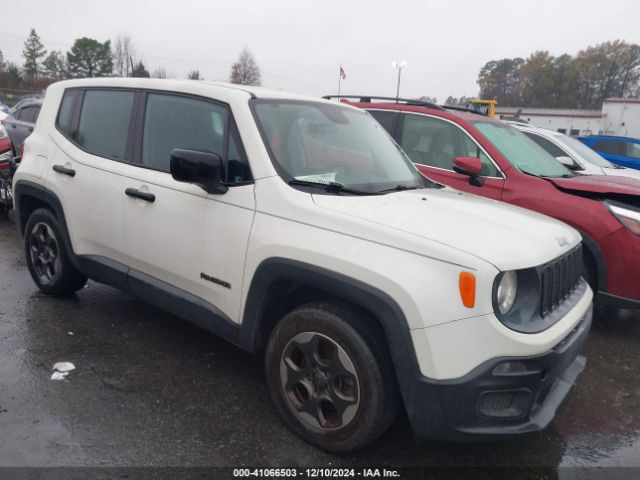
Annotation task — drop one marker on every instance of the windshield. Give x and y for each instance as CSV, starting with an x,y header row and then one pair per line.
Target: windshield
x,y
331,144
585,152
522,152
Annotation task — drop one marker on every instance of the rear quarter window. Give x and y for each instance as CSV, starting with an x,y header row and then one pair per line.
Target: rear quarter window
x,y
65,113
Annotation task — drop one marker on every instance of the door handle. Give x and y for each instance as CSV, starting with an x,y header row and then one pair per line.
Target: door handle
x,y
13,125
146,196
64,170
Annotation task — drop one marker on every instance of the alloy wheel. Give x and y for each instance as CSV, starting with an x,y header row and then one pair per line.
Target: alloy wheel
x,y
45,253
320,381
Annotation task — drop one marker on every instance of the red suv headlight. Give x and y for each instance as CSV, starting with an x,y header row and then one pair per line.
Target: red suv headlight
x,y
629,217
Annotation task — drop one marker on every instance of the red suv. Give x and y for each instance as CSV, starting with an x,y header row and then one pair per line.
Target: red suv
x,y
478,155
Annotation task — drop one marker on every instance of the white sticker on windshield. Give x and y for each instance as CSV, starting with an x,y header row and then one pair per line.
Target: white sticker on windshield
x,y
325,178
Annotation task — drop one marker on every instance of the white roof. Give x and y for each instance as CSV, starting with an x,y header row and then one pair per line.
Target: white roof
x,y
528,126
201,87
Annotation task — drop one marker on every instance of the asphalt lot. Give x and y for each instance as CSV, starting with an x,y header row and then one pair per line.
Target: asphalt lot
x,y
151,390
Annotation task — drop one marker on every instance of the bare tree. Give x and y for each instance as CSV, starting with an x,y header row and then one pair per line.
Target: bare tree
x,y
125,55
195,75
245,71
160,72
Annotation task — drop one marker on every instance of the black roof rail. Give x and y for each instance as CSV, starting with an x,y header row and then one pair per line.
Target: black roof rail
x,y
404,101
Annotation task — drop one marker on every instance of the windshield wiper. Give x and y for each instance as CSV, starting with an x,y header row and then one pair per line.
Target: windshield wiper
x,y
564,175
333,187
548,176
399,188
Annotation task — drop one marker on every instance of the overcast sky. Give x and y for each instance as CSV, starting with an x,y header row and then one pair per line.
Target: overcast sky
x,y
299,44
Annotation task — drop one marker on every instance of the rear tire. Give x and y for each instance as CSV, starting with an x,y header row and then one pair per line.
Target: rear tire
x,y
47,257
331,377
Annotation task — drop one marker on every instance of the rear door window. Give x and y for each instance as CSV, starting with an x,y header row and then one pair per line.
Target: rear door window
x,y
104,122
26,114
633,150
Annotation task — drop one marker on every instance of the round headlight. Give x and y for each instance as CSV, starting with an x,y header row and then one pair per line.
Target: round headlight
x,y
507,290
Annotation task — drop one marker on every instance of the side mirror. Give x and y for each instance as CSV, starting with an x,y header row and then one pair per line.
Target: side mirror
x,y
569,162
470,166
204,169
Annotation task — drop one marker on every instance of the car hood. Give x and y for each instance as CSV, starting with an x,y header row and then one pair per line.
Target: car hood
x,y
600,184
506,236
622,172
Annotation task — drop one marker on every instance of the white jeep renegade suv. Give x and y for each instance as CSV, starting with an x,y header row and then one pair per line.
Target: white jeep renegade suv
x,y
297,228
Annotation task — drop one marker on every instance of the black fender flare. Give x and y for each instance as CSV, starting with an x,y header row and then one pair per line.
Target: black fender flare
x,y
385,308
598,258
25,188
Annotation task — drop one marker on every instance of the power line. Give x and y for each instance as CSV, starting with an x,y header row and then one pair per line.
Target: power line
x,y
15,38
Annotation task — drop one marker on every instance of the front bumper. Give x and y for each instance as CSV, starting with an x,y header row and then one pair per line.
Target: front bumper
x,y
483,406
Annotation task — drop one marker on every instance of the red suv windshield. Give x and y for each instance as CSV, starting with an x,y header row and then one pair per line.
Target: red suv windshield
x,y
522,152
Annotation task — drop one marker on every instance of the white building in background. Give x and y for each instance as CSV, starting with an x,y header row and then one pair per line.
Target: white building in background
x,y
619,116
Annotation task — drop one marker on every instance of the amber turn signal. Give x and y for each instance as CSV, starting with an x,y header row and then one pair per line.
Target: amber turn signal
x,y
468,289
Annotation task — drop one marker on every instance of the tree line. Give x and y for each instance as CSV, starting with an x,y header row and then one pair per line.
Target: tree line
x,y
610,69
89,57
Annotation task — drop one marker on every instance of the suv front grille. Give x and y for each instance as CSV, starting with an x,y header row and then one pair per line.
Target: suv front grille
x,y
559,278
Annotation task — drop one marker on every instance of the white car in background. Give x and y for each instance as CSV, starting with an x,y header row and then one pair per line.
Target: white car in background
x,y
572,153
3,130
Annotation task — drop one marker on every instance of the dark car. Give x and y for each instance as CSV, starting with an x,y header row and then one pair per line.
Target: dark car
x,y
622,151
21,121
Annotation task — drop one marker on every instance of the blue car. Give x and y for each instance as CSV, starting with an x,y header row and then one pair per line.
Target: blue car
x,y
619,150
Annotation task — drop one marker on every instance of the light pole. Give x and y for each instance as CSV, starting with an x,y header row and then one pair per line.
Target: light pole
x,y
399,66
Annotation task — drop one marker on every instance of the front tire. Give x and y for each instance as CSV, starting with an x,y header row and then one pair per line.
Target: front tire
x,y
330,376
47,257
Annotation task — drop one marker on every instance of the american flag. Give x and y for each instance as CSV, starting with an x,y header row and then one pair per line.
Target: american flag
x,y
342,74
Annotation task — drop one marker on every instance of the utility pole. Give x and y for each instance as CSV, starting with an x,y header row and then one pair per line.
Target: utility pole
x,y
398,66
